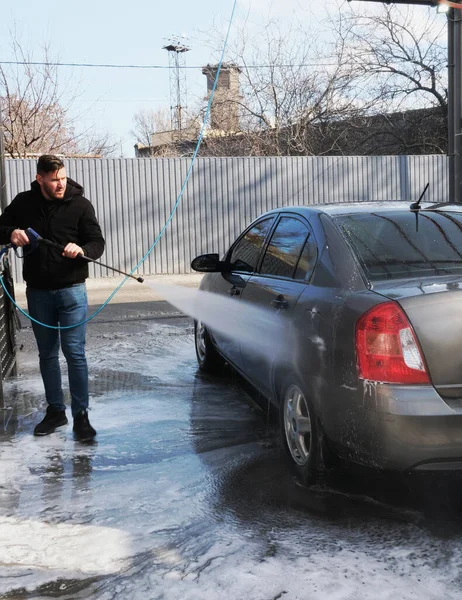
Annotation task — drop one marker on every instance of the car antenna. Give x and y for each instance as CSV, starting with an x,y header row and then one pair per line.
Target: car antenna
x,y
416,205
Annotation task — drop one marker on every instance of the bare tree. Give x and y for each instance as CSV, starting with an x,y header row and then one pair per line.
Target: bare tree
x,y
36,117
398,57
291,95
400,65
155,136
97,144
378,85
149,121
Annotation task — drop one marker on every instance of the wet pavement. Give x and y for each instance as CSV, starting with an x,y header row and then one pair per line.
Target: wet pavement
x,y
185,494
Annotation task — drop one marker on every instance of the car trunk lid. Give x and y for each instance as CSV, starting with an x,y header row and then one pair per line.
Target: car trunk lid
x,y
434,309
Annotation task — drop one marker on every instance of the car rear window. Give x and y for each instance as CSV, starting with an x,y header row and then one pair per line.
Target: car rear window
x,y
400,244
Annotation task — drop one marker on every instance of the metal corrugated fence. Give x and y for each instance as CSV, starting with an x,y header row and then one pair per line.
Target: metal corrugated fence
x,y
133,197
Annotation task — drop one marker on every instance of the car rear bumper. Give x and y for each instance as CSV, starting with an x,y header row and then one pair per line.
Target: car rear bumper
x,y
424,443
410,428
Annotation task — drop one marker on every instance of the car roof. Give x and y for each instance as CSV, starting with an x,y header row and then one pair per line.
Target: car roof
x,y
349,208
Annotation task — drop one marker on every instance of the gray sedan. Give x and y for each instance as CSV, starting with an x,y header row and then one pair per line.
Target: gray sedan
x,y
369,296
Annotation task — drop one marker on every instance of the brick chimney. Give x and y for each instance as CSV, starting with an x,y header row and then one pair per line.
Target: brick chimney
x,y
224,112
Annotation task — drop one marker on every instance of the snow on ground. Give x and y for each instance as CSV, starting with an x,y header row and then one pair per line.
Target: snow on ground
x,y
158,509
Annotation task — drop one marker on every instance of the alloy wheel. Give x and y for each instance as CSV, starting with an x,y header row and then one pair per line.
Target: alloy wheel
x,y
201,341
297,425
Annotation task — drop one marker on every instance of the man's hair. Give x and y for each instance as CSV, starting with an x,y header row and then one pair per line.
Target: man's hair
x,y
49,163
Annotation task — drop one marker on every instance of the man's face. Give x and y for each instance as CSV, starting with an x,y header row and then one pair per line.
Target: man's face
x,y
53,184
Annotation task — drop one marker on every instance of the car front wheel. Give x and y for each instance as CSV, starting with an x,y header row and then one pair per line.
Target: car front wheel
x,y
207,356
299,431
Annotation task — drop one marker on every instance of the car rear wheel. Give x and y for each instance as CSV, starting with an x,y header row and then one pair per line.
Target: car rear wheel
x,y
207,356
299,430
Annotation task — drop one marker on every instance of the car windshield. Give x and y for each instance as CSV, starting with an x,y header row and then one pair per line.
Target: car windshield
x,y
401,244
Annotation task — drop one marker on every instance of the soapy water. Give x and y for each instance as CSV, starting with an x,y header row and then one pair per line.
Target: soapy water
x,y
260,329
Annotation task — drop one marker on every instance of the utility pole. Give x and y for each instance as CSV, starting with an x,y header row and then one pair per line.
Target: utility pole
x,y
3,198
176,52
454,12
2,207
455,104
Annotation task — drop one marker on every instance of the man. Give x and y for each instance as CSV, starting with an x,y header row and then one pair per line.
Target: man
x,y
56,294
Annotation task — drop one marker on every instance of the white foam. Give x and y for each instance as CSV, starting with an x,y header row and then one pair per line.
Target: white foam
x,y
193,545
34,552
65,547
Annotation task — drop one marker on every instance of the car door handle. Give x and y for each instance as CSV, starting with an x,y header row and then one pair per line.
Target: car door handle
x,y
234,291
280,302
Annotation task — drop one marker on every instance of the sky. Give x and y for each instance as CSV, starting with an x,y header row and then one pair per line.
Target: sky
x,y
114,32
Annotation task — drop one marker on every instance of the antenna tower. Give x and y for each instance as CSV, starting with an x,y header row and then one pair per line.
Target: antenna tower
x,y
177,49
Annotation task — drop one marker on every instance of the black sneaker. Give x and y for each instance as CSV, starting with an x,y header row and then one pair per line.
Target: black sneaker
x,y
83,431
51,421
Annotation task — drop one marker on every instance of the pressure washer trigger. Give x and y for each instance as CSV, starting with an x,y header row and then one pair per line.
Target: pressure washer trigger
x,y
34,238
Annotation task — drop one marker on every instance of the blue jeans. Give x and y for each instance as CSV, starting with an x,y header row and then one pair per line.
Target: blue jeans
x,y
66,306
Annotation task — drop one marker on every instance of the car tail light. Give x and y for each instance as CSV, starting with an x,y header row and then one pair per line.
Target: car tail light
x,y
386,347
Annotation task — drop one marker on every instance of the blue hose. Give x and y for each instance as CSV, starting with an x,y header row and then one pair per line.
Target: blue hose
x,y
193,159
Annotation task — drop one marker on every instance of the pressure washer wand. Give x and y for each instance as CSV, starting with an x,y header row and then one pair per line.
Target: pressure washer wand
x,y
38,239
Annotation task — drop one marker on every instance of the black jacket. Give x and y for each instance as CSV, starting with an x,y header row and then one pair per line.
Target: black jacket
x,y
71,219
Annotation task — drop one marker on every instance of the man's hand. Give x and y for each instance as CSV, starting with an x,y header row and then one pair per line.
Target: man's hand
x,y
19,238
72,250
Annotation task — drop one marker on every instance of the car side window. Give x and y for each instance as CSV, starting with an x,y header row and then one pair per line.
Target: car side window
x,y
307,259
245,253
285,248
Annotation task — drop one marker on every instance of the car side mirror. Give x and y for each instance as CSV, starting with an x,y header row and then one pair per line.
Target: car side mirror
x,y
208,263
